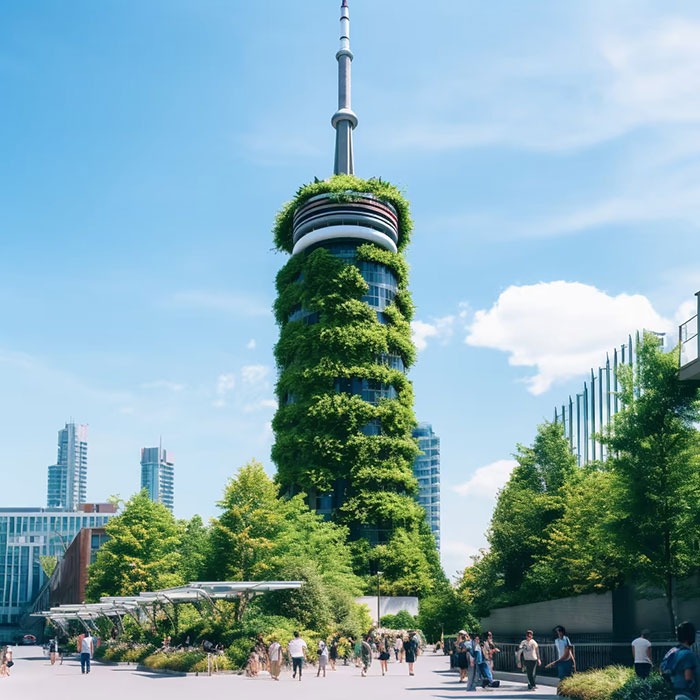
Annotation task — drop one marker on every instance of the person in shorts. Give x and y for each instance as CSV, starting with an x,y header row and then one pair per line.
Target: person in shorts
x,y
322,658
641,650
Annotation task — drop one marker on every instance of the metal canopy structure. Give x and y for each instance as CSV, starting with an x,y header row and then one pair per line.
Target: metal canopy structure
x,y
117,606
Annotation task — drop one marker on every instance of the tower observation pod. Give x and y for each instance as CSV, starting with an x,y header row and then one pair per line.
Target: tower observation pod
x,y
343,427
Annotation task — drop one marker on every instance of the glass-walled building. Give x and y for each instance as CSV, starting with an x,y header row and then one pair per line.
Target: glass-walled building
x,y
426,469
158,475
26,534
67,485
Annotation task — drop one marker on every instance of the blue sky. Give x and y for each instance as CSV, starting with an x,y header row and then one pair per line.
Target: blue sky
x,y
550,151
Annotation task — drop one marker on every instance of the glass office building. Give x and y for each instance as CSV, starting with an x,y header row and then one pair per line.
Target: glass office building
x,y
67,487
158,475
426,469
27,534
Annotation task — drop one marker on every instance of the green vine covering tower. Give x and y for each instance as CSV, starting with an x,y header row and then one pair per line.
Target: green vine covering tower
x,y
343,427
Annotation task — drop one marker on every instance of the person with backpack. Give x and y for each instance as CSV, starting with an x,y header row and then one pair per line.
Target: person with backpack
x,y
681,666
565,661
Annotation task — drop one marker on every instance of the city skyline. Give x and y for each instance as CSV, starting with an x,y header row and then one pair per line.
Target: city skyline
x,y
540,150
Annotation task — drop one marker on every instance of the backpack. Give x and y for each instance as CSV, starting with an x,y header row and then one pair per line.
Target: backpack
x,y
669,663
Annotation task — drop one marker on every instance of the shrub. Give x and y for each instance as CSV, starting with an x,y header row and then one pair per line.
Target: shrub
x,y
652,688
598,684
223,663
174,661
403,620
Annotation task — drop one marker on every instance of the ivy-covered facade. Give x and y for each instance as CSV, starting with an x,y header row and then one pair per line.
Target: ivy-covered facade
x,y
343,429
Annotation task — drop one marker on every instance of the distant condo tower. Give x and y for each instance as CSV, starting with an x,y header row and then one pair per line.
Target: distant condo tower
x,y
426,469
158,475
67,487
345,416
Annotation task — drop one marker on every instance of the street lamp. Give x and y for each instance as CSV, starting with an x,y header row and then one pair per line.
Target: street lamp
x,y
379,600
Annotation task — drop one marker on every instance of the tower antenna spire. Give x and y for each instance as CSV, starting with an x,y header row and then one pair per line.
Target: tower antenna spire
x,y
344,120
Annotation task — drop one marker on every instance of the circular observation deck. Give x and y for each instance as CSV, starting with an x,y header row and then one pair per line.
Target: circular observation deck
x,y
364,218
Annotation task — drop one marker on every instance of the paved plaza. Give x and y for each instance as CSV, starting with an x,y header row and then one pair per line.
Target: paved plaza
x,y
34,678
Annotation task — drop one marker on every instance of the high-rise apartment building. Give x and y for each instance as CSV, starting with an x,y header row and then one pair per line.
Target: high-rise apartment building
x,y
26,534
158,475
426,468
67,487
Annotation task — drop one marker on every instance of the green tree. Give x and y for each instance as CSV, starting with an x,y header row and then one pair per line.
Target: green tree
x,y
445,610
581,555
655,463
260,536
529,504
193,549
142,553
48,565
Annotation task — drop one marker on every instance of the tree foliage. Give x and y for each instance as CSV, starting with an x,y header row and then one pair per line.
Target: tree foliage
x,y
655,465
142,553
559,529
261,536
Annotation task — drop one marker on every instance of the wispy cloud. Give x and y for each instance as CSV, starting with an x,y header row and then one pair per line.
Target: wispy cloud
x,y
254,374
163,384
487,480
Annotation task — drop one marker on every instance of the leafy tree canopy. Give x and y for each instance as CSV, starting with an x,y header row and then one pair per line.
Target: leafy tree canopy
x,y
142,554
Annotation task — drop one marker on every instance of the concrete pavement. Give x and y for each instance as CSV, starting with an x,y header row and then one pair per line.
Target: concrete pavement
x,y
33,678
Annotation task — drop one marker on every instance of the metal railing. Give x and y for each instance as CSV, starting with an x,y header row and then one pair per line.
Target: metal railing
x,y
689,341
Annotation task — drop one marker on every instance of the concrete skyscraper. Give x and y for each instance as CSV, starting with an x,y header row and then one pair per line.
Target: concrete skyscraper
x,y
158,475
67,487
345,416
426,469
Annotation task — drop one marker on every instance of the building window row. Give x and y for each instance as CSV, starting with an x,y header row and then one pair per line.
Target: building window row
x,y
370,390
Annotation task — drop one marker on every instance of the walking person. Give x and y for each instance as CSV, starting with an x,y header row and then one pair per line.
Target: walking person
x,y
53,650
274,653
297,650
529,658
682,665
565,661
489,649
322,658
333,653
398,648
384,655
366,654
410,649
462,655
641,651
87,648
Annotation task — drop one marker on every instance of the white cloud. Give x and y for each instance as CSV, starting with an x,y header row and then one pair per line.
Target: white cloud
x,y
163,384
560,328
234,304
253,374
259,405
250,345
224,385
440,329
686,311
487,480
